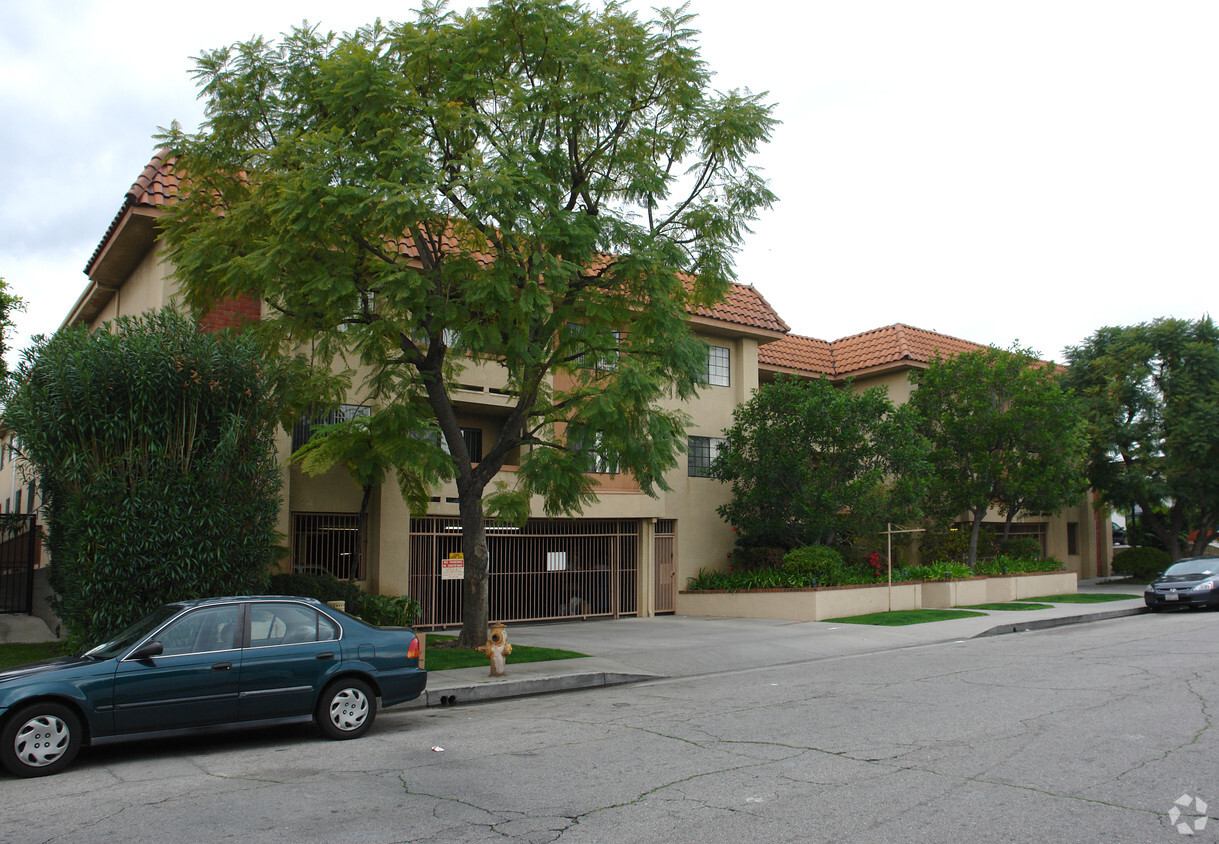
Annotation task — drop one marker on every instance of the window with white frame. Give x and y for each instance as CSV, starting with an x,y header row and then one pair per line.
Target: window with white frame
x,y
593,454
719,366
303,429
701,453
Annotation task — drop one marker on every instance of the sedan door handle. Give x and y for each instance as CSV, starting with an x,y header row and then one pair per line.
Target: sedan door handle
x,y
326,655
222,666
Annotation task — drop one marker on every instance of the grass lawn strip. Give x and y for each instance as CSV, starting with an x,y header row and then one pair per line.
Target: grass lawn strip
x,y
1010,605
1086,598
448,659
19,653
899,618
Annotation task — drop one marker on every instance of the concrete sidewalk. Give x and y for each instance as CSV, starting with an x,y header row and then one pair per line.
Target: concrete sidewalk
x,y
636,649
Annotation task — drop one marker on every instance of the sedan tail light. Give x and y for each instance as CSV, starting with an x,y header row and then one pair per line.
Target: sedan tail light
x,y
412,650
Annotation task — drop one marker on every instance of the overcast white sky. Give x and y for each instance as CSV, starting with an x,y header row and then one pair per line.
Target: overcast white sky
x,y
997,171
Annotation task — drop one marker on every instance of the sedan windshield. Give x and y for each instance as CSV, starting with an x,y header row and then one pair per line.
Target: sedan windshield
x,y
134,633
1199,568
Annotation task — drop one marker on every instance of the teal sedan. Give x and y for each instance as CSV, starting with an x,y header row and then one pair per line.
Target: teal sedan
x,y
197,666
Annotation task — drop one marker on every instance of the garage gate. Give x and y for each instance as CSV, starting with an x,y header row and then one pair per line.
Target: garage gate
x,y
548,569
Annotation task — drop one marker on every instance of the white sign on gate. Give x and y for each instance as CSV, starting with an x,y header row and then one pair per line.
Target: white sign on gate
x,y
453,567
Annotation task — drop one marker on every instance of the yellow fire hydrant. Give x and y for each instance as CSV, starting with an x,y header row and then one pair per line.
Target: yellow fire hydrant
x,y
497,648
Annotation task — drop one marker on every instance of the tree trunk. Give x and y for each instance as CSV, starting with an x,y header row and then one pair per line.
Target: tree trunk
x,y
475,589
1007,524
975,531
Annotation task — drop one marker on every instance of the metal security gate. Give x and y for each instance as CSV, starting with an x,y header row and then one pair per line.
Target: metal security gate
x,y
548,569
666,567
18,556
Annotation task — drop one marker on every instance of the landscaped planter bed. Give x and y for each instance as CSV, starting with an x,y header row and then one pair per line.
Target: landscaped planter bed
x,y
841,601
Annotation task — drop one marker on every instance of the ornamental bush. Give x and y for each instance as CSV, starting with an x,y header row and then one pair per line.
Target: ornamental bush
x,y
816,565
1142,563
153,447
1021,548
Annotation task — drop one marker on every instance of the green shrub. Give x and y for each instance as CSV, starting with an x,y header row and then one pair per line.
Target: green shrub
x,y
816,565
944,545
378,610
934,571
755,557
389,610
1142,563
1021,548
154,448
323,587
1002,565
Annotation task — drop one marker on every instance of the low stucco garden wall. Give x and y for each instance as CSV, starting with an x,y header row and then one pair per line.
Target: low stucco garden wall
x,y
843,601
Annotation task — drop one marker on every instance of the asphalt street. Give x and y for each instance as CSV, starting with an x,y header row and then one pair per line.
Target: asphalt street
x,y
1089,732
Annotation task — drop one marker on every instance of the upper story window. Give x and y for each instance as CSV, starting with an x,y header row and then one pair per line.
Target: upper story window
x,y
719,365
473,438
592,454
303,430
602,354
701,453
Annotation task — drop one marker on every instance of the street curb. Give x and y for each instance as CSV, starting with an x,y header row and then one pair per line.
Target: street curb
x,y
509,688
1046,623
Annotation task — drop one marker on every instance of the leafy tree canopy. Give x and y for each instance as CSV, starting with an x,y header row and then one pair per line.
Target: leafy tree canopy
x,y
1151,397
815,464
153,446
1003,432
534,184
9,305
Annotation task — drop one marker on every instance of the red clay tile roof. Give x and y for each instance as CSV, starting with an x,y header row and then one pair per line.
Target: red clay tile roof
x,y
743,305
880,346
799,354
157,187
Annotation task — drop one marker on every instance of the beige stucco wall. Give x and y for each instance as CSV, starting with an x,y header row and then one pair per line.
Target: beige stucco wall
x,y
822,604
148,288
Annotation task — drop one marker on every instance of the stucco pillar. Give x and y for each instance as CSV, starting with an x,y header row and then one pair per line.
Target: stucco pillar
x,y
283,521
392,570
645,601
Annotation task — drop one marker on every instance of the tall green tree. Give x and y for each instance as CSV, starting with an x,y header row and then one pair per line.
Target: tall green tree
x,y
815,464
9,306
534,185
154,450
1151,394
1003,433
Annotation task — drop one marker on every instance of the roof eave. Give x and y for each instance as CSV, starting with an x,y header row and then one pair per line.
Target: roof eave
x,y
130,239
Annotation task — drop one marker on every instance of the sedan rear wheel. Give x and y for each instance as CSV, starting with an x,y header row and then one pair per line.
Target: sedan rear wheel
x,y
346,709
40,739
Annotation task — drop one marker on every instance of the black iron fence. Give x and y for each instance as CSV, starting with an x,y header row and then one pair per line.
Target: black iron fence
x,y
19,549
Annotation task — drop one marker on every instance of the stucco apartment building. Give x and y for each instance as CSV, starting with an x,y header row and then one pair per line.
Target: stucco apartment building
x,y
629,553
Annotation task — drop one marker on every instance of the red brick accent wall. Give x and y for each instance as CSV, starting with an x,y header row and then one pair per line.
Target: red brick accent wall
x,y
232,313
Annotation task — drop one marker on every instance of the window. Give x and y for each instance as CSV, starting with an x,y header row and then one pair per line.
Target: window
x,y
602,354
288,624
202,631
1072,538
473,438
303,430
17,509
719,365
30,505
701,452
593,455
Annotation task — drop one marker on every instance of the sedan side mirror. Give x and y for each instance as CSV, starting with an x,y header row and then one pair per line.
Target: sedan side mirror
x,y
147,651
